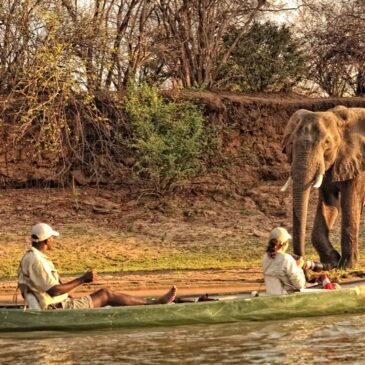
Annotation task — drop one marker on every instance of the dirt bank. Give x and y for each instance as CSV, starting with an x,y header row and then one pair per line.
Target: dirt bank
x,y
190,282
208,236
252,128
206,240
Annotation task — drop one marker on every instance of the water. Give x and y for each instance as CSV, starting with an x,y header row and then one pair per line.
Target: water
x,y
324,340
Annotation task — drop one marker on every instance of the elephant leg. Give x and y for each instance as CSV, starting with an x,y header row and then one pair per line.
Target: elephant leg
x,y
327,212
351,205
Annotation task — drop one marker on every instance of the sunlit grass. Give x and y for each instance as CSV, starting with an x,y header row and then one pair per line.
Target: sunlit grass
x,y
81,247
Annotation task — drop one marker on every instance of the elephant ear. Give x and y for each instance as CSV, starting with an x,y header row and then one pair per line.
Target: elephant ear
x,y
350,161
293,123
342,113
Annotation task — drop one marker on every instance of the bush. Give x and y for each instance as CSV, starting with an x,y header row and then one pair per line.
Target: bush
x,y
267,59
166,137
52,117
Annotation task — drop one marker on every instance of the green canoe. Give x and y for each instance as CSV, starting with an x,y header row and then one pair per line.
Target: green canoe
x,y
323,303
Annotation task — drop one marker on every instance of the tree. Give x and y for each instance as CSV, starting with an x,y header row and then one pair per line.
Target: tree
x,y
334,34
18,39
112,38
189,36
180,41
268,58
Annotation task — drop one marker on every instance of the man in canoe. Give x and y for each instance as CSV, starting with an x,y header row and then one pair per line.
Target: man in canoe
x,y
41,287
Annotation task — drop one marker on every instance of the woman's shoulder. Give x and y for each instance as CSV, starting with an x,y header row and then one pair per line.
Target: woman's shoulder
x,y
288,260
267,257
286,256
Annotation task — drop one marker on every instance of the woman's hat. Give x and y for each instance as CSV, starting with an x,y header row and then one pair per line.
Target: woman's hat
x,y
280,234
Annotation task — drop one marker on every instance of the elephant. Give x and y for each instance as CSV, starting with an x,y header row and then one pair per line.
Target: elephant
x,y
326,151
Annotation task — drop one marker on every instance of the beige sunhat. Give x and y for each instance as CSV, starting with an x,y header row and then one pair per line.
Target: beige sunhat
x,y
280,234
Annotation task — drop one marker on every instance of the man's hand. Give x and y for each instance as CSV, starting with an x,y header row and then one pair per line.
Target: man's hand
x,y
60,289
90,276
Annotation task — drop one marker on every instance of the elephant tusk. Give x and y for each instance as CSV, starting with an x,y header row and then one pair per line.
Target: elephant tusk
x,y
286,185
318,181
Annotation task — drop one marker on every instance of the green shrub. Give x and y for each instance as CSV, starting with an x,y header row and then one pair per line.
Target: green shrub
x,y
267,59
166,137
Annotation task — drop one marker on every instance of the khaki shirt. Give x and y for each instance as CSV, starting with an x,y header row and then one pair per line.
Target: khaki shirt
x,y
37,273
282,274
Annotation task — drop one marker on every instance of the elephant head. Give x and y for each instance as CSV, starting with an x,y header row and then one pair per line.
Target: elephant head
x,y
318,142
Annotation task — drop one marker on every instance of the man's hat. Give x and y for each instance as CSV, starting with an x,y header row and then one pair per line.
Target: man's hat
x,y
42,231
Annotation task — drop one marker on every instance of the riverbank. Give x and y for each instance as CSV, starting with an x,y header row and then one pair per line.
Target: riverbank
x,y
155,283
204,242
139,245
114,232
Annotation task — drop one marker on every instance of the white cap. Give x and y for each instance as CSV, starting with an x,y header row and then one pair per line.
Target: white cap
x,y
280,234
42,231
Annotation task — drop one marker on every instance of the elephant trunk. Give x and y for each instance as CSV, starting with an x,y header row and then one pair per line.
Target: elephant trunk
x,y
300,209
305,172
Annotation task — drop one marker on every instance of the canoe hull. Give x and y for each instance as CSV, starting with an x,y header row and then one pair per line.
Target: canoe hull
x,y
250,309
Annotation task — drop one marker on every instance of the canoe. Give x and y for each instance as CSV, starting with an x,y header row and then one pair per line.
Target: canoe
x,y
308,304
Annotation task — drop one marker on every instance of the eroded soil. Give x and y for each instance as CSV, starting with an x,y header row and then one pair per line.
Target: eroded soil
x,y
144,226
102,228
209,236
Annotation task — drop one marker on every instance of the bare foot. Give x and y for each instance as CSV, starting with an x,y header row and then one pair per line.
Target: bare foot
x,y
168,298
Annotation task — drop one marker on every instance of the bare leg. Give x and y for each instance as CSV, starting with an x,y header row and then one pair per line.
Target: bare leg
x,y
104,297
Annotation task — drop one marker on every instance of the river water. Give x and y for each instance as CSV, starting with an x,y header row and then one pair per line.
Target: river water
x,y
324,340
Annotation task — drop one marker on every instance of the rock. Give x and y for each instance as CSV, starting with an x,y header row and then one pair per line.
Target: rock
x,y
209,213
132,203
258,233
101,202
80,177
100,210
249,204
101,206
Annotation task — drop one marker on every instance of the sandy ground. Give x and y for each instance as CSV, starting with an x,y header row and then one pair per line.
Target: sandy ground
x,y
215,221
155,227
153,284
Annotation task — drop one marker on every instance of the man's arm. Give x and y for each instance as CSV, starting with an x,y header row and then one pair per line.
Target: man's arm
x,y
60,289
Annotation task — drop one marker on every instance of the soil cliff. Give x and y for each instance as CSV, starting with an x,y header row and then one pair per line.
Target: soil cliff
x,y
221,218
252,128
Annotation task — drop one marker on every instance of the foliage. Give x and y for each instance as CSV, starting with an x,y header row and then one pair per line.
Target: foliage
x,y
166,137
187,43
49,110
333,34
68,127
45,85
189,39
108,39
267,59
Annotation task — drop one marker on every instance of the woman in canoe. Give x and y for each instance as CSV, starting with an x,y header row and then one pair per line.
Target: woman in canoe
x,y
283,274
41,287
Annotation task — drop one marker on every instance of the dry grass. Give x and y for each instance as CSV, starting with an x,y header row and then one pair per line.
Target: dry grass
x,y
111,251
176,234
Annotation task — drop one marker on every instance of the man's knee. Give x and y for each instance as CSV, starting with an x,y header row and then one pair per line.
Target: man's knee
x,y
104,294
